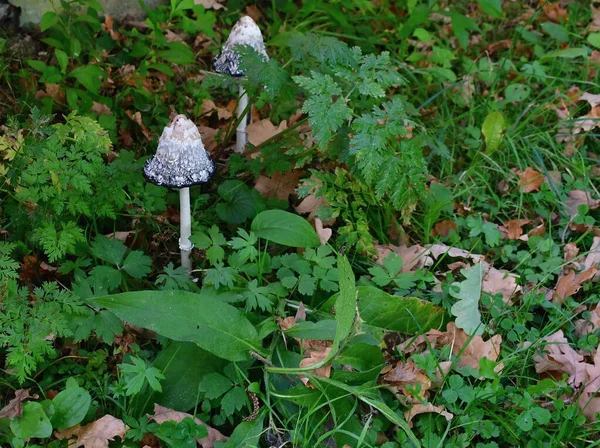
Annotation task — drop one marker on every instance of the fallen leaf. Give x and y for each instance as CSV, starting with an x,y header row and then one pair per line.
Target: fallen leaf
x,y
279,185
592,260
314,356
570,250
513,229
14,408
592,100
310,205
554,12
568,285
261,131
413,257
594,25
137,118
95,435
500,281
208,107
577,198
424,409
529,180
407,374
162,414
559,356
211,4
443,228
100,109
437,250
323,232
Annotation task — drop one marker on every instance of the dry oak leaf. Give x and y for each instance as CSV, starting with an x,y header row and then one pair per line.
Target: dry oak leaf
x,y
560,357
584,327
279,185
437,250
315,356
592,260
513,229
529,180
443,228
476,349
260,131
424,409
162,414
14,408
577,198
593,100
500,281
324,233
95,435
588,402
208,107
554,12
594,25
569,284
407,374
100,109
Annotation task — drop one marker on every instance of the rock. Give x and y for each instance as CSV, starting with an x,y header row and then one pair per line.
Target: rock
x,y
33,10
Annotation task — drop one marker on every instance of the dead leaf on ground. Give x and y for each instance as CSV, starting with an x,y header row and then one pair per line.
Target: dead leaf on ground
x,y
500,281
162,414
592,260
137,118
262,130
513,229
473,348
570,251
559,357
437,250
208,137
211,4
324,232
279,185
95,435
594,25
14,408
413,257
568,285
314,356
310,205
100,109
554,12
443,228
577,198
405,374
583,327
209,107
424,409
530,180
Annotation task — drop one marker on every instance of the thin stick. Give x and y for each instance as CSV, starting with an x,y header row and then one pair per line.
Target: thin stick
x,y
240,135
185,219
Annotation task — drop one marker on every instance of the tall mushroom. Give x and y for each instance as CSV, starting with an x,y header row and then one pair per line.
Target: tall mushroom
x,y
244,32
180,162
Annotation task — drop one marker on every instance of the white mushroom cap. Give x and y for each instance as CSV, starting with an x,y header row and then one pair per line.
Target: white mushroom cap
x,y
244,32
180,160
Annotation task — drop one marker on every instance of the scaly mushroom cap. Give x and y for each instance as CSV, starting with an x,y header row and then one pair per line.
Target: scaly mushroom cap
x,y
180,160
244,32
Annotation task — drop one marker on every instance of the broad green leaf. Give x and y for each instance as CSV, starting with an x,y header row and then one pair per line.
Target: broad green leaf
x,y
246,434
466,309
238,203
517,92
109,249
107,326
90,76
62,59
184,316
493,130
594,39
177,53
49,19
34,423
556,31
137,264
492,8
403,314
567,53
284,228
323,330
70,407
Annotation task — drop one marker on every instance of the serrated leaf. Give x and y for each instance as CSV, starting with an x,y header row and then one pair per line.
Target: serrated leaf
x,y
466,309
107,326
137,264
493,131
108,249
107,276
233,400
214,385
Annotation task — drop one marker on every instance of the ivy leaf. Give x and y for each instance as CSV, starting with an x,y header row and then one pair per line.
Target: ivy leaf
x,y
466,309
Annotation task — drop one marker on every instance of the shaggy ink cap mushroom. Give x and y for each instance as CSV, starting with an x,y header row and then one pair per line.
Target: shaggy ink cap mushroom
x,y
244,32
180,160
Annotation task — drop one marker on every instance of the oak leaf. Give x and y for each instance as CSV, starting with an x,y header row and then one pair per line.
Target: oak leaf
x,y
513,229
280,185
530,180
95,435
570,283
14,408
427,408
262,130
443,228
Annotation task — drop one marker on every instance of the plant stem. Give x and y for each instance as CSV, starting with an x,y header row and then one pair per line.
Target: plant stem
x,y
185,219
241,136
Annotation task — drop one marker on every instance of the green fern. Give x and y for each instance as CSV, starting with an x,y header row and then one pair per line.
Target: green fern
x,y
8,266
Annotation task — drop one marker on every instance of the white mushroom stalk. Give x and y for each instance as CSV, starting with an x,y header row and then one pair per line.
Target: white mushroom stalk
x,y
180,162
244,32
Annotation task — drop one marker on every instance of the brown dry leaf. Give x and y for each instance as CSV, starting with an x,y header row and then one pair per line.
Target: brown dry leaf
x,y
424,409
95,435
584,327
437,250
162,414
571,250
413,257
577,198
108,25
443,228
14,408
310,205
592,260
279,185
570,283
208,137
500,281
407,374
100,109
513,229
208,107
560,357
314,356
323,232
137,118
594,25
530,180
592,100
173,37
211,4
476,349
554,12
261,131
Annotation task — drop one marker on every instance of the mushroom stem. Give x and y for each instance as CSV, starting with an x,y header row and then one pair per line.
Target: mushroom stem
x,y
241,136
185,219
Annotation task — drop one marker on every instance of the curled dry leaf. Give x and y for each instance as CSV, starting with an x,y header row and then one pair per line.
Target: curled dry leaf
x,y
513,229
570,283
162,414
262,130
530,180
14,408
314,356
407,374
323,232
424,409
570,251
211,4
95,435
209,107
279,185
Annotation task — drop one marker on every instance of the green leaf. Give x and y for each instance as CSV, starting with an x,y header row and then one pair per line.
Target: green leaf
x,y
233,400
137,264
90,76
493,130
567,53
524,421
214,385
466,309
284,228
517,92
323,330
107,326
62,58
109,249
49,19
238,203
70,407
34,423
556,31
492,8
177,53
184,316
594,39
403,314
246,434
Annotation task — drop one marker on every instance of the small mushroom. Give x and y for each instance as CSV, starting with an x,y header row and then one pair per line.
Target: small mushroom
x,y
180,162
244,32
